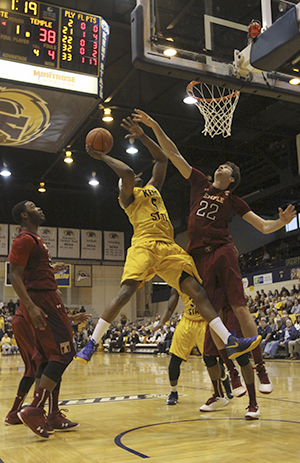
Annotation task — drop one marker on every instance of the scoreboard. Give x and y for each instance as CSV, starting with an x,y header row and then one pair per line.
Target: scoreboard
x,y
57,38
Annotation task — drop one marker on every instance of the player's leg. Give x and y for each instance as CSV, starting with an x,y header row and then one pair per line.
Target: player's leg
x,y
190,286
56,418
218,398
24,335
253,412
56,343
182,343
128,288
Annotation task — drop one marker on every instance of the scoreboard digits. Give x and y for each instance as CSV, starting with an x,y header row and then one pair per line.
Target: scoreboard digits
x,y
46,35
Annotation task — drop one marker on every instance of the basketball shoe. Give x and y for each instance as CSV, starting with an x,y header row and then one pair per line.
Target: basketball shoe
x,y
213,403
85,355
238,346
12,418
172,398
253,412
35,419
238,390
57,420
265,384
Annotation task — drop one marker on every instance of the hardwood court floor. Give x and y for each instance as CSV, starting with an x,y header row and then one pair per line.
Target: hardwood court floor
x,y
119,400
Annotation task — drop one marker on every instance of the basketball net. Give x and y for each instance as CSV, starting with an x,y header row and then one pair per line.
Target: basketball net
x,y
216,104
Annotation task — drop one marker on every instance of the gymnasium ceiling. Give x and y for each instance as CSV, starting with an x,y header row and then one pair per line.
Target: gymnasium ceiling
x,y
263,141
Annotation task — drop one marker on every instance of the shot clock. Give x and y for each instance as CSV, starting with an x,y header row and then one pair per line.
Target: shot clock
x,y
46,35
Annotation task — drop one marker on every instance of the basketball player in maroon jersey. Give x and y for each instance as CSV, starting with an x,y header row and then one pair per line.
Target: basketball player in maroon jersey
x,y
212,205
33,280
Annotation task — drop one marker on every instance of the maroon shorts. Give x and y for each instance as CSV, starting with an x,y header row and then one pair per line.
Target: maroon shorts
x,y
220,272
55,342
25,338
232,324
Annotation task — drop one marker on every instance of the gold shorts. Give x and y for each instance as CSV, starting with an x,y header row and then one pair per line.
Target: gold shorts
x,y
188,334
167,260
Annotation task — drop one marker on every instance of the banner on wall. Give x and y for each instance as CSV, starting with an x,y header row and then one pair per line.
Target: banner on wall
x,y
114,246
63,277
13,231
68,243
295,273
3,239
91,244
49,235
264,279
245,282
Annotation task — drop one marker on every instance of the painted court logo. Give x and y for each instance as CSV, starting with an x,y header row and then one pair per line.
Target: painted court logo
x,y
24,116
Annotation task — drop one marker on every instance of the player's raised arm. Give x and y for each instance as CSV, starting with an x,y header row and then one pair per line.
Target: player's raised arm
x,y
161,161
122,170
270,226
167,145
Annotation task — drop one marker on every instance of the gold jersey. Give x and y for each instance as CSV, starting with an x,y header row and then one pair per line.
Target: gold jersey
x,y
149,217
190,310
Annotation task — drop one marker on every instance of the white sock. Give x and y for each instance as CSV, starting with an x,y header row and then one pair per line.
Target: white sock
x,y
174,388
220,329
101,328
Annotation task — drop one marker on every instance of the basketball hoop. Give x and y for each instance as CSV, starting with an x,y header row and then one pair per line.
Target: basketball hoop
x,y
216,104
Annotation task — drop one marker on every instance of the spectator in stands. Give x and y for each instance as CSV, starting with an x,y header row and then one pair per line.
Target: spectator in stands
x,y
168,338
284,292
14,345
285,316
5,344
161,342
294,346
290,334
277,337
265,331
11,307
296,308
272,319
117,342
133,340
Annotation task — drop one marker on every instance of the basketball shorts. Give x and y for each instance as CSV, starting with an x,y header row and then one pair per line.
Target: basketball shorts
x,y
167,260
25,337
220,271
232,324
188,334
55,342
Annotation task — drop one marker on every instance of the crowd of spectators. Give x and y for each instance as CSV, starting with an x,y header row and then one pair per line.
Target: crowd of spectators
x,y
278,318
277,315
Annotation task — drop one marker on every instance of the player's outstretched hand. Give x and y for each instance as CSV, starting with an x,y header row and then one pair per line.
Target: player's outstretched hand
x,y
140,116
80,317
135,131
288,214
92,152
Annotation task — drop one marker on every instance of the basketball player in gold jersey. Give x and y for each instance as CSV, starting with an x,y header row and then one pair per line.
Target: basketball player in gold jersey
x,y
153,249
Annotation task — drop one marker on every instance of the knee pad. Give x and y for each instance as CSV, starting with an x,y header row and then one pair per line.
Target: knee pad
x,y
243,360
209,360
174,368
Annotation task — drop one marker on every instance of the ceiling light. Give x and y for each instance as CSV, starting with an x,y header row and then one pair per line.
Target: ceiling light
x,y
68,157
189,100
131,149
42,188
5,172
170,52
93,181
107,115
294,81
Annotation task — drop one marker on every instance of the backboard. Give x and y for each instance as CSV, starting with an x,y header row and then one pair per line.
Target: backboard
x,y
207,36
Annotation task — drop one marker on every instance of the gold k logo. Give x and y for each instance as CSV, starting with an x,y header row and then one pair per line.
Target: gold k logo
x,y
24,116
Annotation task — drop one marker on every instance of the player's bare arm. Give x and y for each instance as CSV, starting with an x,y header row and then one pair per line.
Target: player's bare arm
x,y
37,315
167,145
167,314
161,161
122,170
80,317
270,226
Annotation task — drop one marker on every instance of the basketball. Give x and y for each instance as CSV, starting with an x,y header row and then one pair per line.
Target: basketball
x,y
100,139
